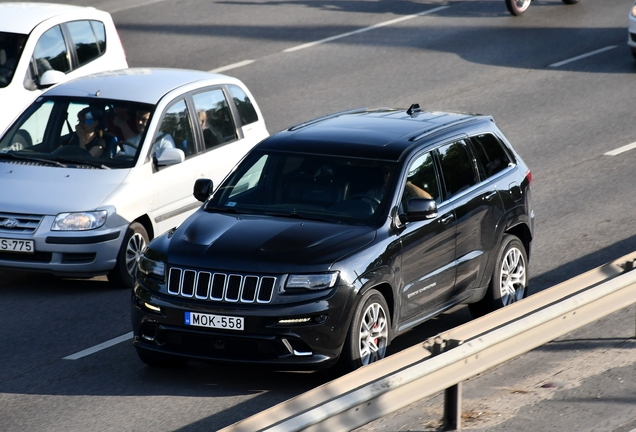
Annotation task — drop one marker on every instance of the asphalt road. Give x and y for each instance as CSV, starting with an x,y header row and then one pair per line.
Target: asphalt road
x,y
559,81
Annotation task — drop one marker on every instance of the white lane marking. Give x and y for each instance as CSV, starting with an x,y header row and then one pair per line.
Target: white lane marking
x,y
99,347
375,26
114,6
621,149
582,56
232,66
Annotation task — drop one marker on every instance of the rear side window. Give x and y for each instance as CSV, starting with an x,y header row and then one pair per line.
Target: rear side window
x,y
244,104
85,39
491,155
457,167
215,118
50,52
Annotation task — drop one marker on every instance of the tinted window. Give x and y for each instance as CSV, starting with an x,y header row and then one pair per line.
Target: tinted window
x,y
244,104
215,118
422,175
50,52
322,187
491,155
457,167
84,41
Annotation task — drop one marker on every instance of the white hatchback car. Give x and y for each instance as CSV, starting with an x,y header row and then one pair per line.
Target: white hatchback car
x,y
42,44
110,163
631,32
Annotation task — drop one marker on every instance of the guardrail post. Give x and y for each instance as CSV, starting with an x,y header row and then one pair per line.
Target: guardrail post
x,y
453,408
452,395
629,266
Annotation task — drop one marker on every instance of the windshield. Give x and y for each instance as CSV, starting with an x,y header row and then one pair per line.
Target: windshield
x,y
76,132
317,187
11,46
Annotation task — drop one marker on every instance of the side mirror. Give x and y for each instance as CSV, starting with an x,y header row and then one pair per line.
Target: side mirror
x,y
51,77
202,189
170,156
418,209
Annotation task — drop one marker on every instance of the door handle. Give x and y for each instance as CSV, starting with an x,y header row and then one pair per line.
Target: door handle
x,y
447,218
490,196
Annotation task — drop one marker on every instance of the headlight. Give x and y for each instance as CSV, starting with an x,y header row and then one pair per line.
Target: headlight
x,y
79,221
634,10
152,268
312,281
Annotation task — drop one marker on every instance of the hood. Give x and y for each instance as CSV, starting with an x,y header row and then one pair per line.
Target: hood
x,y
263,244
51,190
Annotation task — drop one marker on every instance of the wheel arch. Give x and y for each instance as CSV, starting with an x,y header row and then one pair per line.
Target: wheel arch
x,y
522,232
385,289
147,224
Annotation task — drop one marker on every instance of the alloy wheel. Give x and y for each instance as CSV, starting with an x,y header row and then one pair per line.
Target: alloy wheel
x,y
512,277
374,334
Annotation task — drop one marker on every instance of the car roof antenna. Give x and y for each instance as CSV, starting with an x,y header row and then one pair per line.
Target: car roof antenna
x,y
415,108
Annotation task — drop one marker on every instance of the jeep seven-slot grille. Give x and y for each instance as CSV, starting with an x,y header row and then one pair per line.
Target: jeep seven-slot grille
x,y
221,287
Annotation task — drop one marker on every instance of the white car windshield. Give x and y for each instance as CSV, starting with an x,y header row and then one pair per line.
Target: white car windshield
x,y
75,132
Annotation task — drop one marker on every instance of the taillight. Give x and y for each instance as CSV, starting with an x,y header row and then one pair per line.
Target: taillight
x,y
529,177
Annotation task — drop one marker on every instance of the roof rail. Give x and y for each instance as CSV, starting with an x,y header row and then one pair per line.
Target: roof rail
x,y
319,119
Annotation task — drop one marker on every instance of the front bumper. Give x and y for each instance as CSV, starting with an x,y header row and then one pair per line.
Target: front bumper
x,y
64,253
264,340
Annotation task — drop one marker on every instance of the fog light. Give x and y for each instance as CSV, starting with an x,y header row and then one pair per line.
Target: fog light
x,y
320,319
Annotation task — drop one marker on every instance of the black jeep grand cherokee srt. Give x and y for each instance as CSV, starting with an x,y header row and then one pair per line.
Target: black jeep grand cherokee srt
x,y
335,236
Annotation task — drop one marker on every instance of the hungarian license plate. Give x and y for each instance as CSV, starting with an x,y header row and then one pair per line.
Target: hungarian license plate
x,y
214,321
15,245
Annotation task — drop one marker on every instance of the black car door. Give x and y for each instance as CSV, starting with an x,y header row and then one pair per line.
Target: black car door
x,y
478,209
428,268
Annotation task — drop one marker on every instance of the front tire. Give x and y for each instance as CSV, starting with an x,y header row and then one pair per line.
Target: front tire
x,y
509,280
135,241
368,335
517,7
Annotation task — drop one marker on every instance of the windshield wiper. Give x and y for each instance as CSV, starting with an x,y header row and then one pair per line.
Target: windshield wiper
x,y
221,209
296,215
96,164
33,159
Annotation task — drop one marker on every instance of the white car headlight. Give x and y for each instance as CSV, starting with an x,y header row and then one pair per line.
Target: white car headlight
x,y
634,10
79,221
152,268
312,281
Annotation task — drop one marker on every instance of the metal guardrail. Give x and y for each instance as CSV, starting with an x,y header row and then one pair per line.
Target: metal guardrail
x,y
446,360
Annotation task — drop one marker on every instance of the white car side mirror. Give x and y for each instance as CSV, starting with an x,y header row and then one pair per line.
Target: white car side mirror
x,y
51,77
170,156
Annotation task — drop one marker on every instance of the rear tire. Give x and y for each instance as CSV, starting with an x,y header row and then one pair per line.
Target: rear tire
x,y
125,271
160,360
517,7
368,335
509,280
633,50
